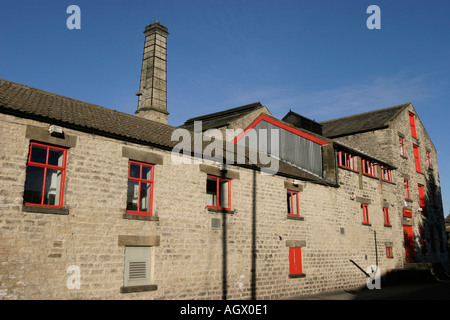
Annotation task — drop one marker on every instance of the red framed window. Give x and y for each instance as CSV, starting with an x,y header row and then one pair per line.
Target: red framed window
x,y
412,123
346,160
430,166
388,252
387,174
295,261
218,193
140,188
407,191
369,167
293,203
407,213
422,198
387,221
45,175
417,158
365,209
402,146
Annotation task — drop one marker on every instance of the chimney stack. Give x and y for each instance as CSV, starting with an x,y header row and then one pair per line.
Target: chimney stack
x,y
152,103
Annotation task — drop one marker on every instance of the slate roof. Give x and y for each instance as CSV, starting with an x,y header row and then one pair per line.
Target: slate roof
x,y
222,118
56,109
359,123
27,102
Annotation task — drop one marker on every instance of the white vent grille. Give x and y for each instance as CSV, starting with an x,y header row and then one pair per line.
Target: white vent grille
x,y
137,266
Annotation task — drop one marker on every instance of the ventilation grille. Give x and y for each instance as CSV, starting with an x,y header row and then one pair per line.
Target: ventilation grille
x,y
137,270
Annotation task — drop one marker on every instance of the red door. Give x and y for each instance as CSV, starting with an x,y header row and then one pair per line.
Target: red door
x,y
409,243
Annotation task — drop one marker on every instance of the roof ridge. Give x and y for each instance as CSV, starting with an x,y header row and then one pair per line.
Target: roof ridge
x,y
368,112
224,112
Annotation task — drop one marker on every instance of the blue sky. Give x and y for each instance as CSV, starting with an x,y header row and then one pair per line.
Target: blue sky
x,y
317,58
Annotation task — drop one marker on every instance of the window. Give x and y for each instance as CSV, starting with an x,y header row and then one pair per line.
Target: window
x,y
137,266
369,168
412,123
407,192
293,205
387,174
407,213
365,209
423,240
387,221
46,167
430,166
417,158
422,198
402,146
346,160
140,188
218,193
295,261
388,252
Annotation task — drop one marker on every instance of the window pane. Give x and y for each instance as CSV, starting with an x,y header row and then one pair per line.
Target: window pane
x,y
33,185
295,203
146,172
145,197
289,203
135,170
132,195
224,193
52,187
211,192
55,157
38,154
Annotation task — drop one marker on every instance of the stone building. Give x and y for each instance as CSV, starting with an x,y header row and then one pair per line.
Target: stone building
x,y
99,204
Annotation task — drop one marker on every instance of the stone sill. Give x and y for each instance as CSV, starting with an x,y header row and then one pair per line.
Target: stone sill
x,y
366,224
295,218
150,287
220,210
388,226
295,276
131,216
47,210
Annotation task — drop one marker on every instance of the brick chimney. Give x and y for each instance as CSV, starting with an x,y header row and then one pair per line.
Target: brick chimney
x,y
152,94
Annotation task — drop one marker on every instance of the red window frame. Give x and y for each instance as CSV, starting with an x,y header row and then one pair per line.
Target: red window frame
x,y
387,221
422,205
387,174
430,166
407,213
365,209
47,166
141,180
346,160
388,252
290,203
402,146
369,168
295,261
407,191
218,195
417,158
412,123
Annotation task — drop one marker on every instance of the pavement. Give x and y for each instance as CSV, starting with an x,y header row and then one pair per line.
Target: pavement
x,y
435,290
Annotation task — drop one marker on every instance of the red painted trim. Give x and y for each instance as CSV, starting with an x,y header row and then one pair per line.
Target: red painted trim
x,y
365,208
141,180
47,166
412,123
388,252
297,194
217,206
386,216
407,213
417,158
408,193
295,261
282,126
